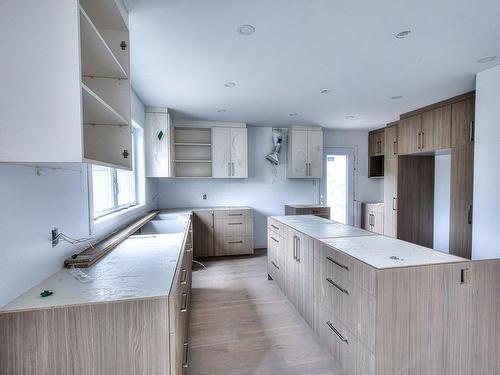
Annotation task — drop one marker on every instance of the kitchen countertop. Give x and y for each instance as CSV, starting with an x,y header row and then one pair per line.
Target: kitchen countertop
x,y
319,227
380,252
307,205
141,267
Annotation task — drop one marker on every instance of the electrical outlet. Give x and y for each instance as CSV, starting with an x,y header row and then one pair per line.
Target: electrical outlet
x,y
204,196
55,238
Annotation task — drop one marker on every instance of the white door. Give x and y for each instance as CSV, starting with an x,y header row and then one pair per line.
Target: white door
x,y
239,158
338,183
298,147
315,153
221,152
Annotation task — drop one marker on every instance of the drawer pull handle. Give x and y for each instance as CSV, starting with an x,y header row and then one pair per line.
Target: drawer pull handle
x,y
184,276
274,239
186,355
275,227
342,338
274,264
337,263
234,214
240,241
234,223
184,302
337,286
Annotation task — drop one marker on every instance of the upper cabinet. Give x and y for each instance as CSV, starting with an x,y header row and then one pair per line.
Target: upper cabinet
x,y
391,140
71,105
229,152
376,143
305,152
158,135
425,132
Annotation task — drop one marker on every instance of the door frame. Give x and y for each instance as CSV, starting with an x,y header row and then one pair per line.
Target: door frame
x,y
351,152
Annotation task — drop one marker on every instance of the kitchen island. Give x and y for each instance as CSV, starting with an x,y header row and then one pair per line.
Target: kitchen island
x,y
384,306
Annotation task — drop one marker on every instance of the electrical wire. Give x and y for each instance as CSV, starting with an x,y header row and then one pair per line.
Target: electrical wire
x,y
73,241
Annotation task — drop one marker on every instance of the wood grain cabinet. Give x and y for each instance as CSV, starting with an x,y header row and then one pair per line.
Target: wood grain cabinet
x,y
203,230
391,197
376,143
373,217
78,91
308,209
305,152
391,140
425,132
229,152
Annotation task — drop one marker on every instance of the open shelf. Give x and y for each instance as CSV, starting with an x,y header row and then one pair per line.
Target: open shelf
x,y
376,167
193,152
193,144
98,60
193,169
192,161
105,14
97,111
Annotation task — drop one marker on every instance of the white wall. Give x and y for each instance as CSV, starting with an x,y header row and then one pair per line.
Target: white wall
x,y
267,190
442,183
486,204
32,202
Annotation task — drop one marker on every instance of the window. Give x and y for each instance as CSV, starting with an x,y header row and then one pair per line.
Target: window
x,y
116,189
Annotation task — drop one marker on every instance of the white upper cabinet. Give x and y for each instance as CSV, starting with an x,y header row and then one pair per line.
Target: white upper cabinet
x,y
71,103
305,152
158,134
229,152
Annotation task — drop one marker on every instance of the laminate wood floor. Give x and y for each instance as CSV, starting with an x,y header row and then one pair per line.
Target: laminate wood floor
x,y
242,324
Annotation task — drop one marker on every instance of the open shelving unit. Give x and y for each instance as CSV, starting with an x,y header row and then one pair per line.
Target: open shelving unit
x,y
105,84
192,152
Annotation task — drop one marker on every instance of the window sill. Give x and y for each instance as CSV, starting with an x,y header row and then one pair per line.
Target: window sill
x,y
116,218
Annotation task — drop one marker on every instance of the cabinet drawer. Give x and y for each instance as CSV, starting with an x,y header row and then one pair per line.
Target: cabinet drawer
x,y
275,246
234,213
351,304
350,268
233,245
353,357
276,226
234,227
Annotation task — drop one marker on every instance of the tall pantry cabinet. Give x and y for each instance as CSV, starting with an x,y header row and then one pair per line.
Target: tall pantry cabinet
x,y
391,180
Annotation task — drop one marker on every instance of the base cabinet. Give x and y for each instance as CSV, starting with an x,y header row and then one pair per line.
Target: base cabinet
x,y
429,319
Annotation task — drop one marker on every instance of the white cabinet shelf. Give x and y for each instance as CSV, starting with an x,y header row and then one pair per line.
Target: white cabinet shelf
x,y
193,144
193,161
96,111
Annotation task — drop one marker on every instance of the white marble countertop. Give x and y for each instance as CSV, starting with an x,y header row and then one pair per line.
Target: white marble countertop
x,y
140,267
318,227
383,252
307,205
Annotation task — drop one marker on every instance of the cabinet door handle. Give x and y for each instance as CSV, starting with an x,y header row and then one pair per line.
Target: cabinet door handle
x,y
345,291
274,264
184,276
423,140
185,357
232,242
295,247
394,204
184,302
469,215
395,147
307,169
274,239
471,131
232,169
234,223
337,263
234,214
342,338
418,141
298,249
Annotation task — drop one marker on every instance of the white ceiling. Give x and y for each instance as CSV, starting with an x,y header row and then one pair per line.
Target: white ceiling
x,y
183,51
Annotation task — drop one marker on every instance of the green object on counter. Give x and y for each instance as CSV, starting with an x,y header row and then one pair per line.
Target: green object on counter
x,y
46,293
74,256
160,135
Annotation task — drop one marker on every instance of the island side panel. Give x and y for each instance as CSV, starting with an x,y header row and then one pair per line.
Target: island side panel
x,y
129,337
485,317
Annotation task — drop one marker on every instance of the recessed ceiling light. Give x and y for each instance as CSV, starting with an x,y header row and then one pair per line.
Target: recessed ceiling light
x,y
350,117
325,91
403,34
396,97
229,84
293,114
222,110
486,59
246,30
